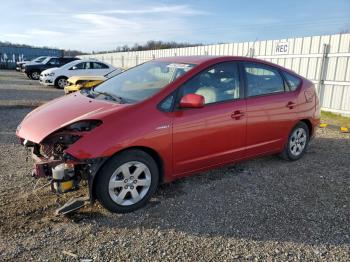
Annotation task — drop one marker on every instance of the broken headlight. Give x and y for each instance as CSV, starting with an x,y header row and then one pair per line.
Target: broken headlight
x,y
82,126
55,144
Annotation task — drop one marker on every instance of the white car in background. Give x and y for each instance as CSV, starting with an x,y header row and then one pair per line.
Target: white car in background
x,y
58,76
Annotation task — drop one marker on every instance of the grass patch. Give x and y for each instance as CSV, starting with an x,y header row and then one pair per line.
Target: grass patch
x,y
335,119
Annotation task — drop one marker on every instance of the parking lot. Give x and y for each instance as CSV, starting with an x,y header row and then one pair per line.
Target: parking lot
x,y
260,210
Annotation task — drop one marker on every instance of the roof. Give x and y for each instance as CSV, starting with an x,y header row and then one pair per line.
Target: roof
x,y
188,59
204,59
217,59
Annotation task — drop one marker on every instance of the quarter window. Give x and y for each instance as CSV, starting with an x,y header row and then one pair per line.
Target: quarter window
x,y
216,84
262,80
167,103
293,81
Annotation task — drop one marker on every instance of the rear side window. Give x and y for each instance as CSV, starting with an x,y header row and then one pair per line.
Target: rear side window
x,y
262,79
99,65
293,81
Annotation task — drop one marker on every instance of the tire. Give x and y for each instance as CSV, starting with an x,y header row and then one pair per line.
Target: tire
x,y
34,75
61,82
298,141
115,186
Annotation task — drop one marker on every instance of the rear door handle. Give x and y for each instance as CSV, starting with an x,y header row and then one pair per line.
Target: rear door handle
x,y
291,105
237,115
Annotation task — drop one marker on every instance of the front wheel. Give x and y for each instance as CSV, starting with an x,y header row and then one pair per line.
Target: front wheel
x,y
298,141
127,181
35,75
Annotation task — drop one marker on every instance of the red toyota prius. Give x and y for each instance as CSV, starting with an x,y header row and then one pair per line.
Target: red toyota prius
x,y
166,119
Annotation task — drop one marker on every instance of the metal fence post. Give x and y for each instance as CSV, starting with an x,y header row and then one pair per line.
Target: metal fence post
x,y
323,73
122,61
251,52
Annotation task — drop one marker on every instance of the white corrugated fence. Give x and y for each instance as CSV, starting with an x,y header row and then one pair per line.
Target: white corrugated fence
x,y
323,59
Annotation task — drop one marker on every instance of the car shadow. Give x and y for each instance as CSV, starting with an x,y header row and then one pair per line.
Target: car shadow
x,y
305,201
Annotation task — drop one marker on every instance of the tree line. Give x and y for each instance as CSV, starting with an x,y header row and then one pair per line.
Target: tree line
x,y
149,45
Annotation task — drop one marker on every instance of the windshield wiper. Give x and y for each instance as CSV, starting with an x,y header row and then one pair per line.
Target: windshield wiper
x,y
118,99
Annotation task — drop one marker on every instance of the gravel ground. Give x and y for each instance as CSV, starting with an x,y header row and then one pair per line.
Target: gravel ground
x,y
265,209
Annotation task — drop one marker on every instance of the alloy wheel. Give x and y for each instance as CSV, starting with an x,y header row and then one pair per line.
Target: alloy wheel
x,y
62,82
35,75
298,141
129,183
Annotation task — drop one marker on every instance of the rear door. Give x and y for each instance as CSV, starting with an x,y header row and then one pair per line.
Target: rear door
x,y
270,108
214,134
99,68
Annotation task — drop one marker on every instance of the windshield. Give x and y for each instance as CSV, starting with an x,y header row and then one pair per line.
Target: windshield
x,y
39,59
113,73
143,81
47,59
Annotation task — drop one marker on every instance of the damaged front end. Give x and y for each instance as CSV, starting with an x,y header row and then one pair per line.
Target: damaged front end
x,y
64,171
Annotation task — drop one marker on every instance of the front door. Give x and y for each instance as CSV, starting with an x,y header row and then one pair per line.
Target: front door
x,y
216,133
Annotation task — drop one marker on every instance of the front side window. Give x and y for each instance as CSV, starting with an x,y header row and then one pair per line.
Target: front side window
x,y
54,61
78,66
143,81
216,84
262,80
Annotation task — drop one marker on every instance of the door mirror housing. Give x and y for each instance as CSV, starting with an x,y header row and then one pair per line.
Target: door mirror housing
x,y
192,101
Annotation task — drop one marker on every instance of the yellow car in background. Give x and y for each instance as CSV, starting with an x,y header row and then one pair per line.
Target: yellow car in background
x,y
76,83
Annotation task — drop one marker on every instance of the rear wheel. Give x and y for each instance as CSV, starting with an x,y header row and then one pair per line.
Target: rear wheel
x,y
127,181
61,82
298,141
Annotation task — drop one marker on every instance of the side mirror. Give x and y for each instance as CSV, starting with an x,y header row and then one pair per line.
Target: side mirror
x,y
74,68
192,101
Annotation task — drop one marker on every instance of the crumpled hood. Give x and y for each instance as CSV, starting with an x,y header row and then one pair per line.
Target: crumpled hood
x,y
74,79
61,112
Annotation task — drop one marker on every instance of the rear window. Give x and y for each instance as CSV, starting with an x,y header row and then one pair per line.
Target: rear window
x,y
293,81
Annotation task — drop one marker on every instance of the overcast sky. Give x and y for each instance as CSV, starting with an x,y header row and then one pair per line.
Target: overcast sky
x,y
102,25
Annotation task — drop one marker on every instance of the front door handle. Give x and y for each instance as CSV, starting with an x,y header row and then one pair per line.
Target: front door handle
x,y
291,105
237,115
